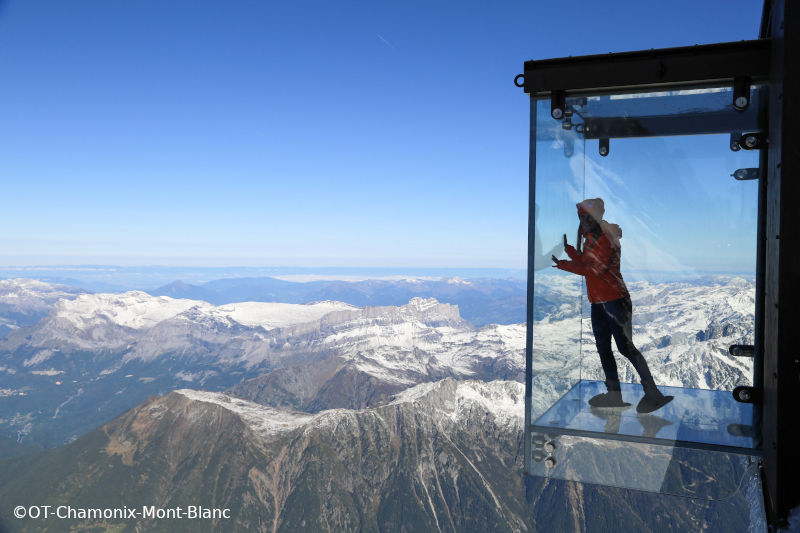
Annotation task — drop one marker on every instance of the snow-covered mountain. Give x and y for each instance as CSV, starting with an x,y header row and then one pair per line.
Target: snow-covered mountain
x,y
96,355
24,302
99,354
682,329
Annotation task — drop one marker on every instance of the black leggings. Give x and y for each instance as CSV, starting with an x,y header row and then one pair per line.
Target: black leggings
x,y
614,319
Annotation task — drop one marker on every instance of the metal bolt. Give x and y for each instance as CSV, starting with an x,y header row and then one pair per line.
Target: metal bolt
x,y
604,151
741,102
550,462
557,113
550,447
735,146
744,395
751,141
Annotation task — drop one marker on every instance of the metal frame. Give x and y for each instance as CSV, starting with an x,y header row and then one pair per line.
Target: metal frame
x,y
781,424
666,66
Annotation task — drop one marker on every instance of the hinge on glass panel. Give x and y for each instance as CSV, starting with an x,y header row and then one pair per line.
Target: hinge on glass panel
x,y
747,395
741,93
753,141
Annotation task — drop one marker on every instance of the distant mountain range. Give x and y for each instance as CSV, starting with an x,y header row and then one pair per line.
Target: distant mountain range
x,y
481,301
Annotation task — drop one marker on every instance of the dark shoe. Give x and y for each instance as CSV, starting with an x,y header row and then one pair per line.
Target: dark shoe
x,y
608,399
653,400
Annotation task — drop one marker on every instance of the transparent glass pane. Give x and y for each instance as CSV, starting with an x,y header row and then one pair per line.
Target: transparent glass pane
x,y
675,236
685,472
688,255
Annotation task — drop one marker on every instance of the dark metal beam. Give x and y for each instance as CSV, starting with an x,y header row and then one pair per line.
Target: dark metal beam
x,y
782,284
662,126
700,64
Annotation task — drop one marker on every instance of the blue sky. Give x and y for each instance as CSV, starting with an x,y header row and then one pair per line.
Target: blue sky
x,y
295,133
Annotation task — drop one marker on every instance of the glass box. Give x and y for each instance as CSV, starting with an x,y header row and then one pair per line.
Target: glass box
x,y
680,207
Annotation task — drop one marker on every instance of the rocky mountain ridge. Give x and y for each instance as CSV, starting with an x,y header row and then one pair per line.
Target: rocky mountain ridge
x,y
442,456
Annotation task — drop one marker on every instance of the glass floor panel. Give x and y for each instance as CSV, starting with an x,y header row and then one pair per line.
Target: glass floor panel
x,y
696,418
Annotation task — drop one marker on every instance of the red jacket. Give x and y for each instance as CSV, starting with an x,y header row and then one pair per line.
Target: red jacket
x,y
599,263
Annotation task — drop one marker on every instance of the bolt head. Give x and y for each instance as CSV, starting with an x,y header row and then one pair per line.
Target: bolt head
x,y
550,462
550,447
741,102
735,146
604,151
751,141
744,395
557,113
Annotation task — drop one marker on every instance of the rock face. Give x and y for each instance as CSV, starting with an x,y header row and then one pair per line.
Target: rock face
x,y
441,456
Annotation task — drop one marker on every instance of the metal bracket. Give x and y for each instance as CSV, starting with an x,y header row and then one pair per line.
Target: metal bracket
x,y
604,147
741,93
742,350
558,104
753,141
742,430
567,124
744,174
748,395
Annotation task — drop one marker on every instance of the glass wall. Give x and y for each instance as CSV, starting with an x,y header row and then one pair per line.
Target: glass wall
x,y
664,271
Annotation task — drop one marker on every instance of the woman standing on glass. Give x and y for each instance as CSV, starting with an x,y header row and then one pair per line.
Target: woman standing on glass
x,y
599,263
